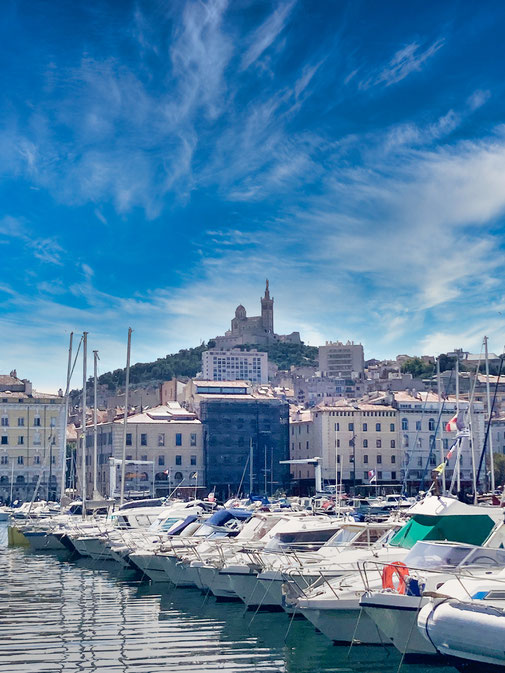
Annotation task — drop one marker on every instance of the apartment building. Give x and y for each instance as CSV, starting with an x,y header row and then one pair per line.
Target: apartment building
x,y
235,365
164,449
32,440
339,360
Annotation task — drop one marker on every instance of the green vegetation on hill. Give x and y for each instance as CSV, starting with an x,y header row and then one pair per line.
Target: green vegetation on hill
x,y
188,361
286,355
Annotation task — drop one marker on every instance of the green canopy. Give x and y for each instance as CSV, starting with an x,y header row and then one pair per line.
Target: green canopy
x,y
469,528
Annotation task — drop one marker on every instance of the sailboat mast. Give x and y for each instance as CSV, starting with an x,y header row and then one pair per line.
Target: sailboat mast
x,y
83,422
457,467
95,420
440,423
125,421
67,390
490,434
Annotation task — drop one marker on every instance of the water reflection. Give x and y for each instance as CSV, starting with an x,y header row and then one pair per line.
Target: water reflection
x,y
60,614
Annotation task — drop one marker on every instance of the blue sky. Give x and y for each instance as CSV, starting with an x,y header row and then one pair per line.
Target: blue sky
x,y
160,159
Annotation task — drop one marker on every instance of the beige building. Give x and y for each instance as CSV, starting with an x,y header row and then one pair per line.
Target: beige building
x,y
32,440
354,439
164,449
339,360
301,447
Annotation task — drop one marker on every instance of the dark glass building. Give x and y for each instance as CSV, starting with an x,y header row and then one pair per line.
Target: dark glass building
x,y
235,429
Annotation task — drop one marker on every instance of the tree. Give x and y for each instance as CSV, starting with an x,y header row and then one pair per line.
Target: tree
x,y
499,468
417,367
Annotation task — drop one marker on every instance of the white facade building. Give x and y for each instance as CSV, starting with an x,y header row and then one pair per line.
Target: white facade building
x,y
235,365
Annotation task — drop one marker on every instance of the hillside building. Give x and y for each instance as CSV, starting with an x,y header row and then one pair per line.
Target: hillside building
x,y
340,360
233,365
254,329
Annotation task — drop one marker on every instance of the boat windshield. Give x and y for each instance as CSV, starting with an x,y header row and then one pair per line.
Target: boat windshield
x,y
356,536
432,556
486,557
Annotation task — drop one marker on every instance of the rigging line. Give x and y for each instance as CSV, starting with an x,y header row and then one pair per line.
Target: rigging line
x,y
483,453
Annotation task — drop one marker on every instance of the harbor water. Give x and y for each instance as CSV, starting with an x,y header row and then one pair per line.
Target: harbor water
x,y
64,614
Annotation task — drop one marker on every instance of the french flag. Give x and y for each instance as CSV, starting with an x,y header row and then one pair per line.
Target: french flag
x,y
372,476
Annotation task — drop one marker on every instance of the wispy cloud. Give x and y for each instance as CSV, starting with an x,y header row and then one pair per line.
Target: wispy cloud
x,y
405,61
264,36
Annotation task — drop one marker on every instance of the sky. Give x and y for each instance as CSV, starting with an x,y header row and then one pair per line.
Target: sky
x,y
160,159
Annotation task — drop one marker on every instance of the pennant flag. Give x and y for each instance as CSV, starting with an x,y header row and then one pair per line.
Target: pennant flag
x,y
194,475
372,476
166,471
211,497
449,454
440,468
456,423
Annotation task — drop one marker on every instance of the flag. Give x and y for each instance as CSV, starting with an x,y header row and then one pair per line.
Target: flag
x,y
194,475
372,476
440,468
451,451
211,497
167,472
456,423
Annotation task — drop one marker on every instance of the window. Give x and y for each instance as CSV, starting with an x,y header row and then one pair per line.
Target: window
x,y
377,427
393,459
405,424
393,444
419,462
378,443
193,460
393,475
4,460
379,475
337,427
365,458
128,457
36,421
405,440
53,460
338,443
21,460
178,439
445,443
431,425
53,421
351,458
161,439
178,477
379,459
36,441
365,427
178,460
193,439
365,475
143,439
129,439
391,427
5,422
161,460
5,439
143,457
418,426
365,443
21,439
21,422
351,427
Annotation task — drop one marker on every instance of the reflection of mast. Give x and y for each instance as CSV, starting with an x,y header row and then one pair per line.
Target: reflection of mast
x,y
67,390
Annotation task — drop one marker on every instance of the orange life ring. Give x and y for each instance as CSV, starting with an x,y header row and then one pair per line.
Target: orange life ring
x,y
401,571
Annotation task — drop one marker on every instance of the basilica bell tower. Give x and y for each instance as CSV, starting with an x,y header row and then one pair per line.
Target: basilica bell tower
x,y
267,311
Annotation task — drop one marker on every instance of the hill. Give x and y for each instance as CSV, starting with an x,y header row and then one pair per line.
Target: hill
x,y
188,362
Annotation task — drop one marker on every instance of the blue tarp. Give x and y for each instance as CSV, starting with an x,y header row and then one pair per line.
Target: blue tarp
x,y
224,515
189,519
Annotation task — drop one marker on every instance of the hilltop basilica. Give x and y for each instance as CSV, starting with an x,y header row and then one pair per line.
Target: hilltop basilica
x,y
256,329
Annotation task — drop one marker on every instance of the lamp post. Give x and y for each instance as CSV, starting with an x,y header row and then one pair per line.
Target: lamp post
x,y
353,444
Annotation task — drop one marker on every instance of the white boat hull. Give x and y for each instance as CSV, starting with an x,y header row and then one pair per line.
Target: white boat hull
x,y
151,565
342,625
